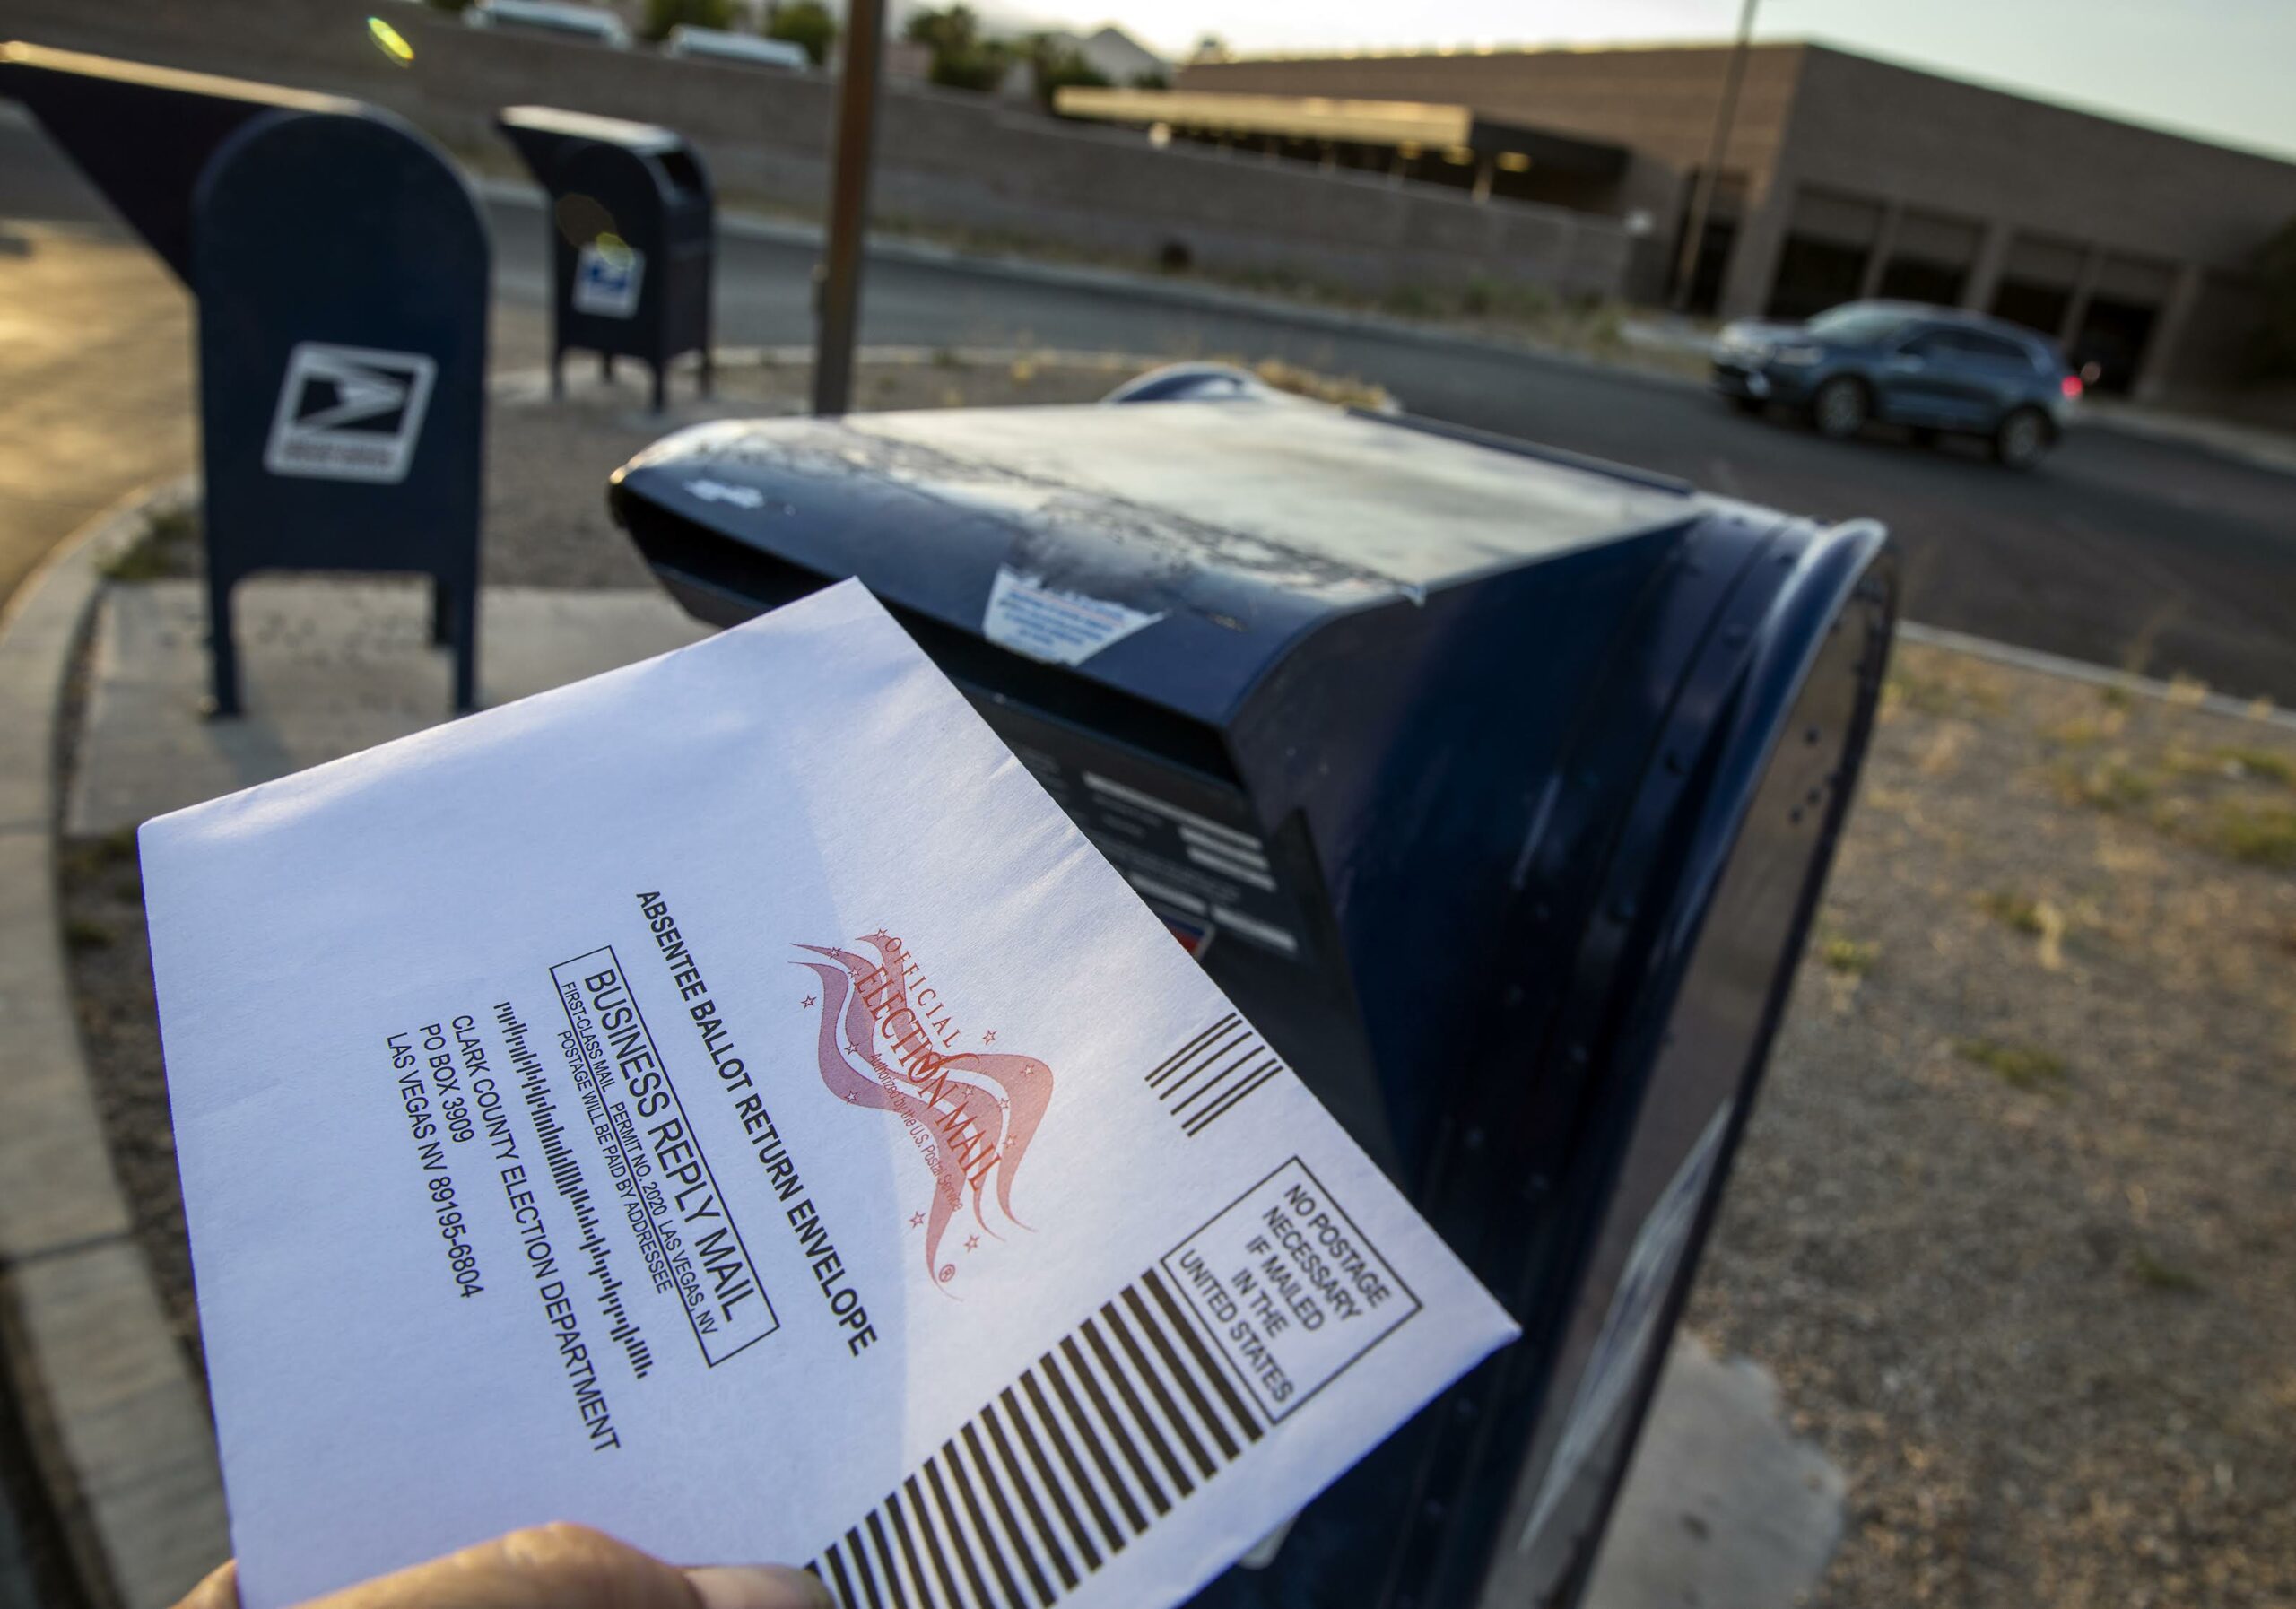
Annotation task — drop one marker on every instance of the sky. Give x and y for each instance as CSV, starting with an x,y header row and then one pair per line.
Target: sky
x,y
2220,69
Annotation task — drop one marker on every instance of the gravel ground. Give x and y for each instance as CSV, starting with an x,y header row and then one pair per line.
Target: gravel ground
x,y
2013,1221
2012,1224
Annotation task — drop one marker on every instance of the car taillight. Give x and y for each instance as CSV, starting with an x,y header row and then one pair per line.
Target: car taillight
x,y
2070,385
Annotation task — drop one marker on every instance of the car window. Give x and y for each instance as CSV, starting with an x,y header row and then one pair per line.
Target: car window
x,y
1995,349
1858,323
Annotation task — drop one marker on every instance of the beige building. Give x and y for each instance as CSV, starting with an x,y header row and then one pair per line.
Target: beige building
x,y
1849,177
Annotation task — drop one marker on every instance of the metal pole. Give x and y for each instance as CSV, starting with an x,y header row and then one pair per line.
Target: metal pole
x,y
1701,197
840,287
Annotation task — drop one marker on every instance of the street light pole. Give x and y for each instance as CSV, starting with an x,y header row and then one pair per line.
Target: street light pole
x,y
838,291
1701,197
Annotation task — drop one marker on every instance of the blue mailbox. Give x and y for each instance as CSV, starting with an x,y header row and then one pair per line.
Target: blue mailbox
x,y
341,275
633,230
1495,786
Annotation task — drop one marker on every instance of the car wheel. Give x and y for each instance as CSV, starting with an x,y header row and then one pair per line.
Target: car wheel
x,y
1840,408
2020,440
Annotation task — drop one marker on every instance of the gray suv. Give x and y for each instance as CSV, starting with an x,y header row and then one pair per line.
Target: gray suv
x,y
1901,362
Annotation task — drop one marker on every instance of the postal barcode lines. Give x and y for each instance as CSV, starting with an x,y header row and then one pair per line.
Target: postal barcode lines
x,y
1210,1075
1120,1420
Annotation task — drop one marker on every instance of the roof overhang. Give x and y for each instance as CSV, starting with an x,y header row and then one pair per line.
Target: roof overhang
x,y
1404,125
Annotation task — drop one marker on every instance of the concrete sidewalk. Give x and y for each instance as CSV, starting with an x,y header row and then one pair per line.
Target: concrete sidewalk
x,y
330,669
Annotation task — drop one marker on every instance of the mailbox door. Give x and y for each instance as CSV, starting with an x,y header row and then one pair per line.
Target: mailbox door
x,y
1646,1189
1587,1154
611,247
342,273
692,251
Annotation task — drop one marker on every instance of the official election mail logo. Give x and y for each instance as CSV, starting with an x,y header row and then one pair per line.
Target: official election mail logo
x,y
889,1041
607,275
349,414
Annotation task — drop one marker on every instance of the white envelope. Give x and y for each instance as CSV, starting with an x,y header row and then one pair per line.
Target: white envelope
x,y
727,1102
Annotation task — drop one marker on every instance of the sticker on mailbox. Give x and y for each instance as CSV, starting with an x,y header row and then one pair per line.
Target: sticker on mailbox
x,y
1289,1289
349,413
606,278
1052,624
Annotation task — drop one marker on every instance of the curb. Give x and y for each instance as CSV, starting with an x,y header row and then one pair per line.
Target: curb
x,y
120,1430
2098,676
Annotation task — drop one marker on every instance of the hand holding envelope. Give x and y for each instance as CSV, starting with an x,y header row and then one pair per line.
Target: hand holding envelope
x,y
550,1567
726,1102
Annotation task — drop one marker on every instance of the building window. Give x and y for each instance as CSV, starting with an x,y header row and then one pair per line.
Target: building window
x,y
1930,255
1828,240
2117,325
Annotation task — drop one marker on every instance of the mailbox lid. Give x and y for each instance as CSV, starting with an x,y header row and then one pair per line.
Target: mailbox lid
x,y
1175,552
551,124
143,134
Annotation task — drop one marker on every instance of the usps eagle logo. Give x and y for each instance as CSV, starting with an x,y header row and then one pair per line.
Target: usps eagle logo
x,y
887,1040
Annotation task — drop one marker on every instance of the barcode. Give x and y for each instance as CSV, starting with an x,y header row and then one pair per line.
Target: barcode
x,y
1206,1078
1120,1420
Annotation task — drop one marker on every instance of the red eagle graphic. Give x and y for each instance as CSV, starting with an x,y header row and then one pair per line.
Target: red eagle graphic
x,y
972,1114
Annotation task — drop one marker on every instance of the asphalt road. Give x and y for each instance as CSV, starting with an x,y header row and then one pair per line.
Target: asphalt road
x,y
2118,551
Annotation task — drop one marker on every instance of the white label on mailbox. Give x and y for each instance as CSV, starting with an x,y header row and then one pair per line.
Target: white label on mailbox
x,y
1045,622
349,414
606,279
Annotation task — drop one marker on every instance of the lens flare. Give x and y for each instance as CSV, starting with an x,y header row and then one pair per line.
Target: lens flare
x,y
581,218
390,42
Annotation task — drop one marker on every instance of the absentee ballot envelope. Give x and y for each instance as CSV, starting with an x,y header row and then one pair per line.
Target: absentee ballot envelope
x,y
727,1102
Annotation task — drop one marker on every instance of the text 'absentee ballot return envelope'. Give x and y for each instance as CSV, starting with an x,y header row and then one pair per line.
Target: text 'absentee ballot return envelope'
x,y
727,1102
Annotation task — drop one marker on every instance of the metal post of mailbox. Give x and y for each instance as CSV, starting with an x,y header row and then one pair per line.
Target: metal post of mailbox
x,y
632,227
341,275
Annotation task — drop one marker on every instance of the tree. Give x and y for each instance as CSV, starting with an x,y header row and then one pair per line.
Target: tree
x,y
962,59
1151,78
661,15
2275,347
1055,64
1211,47
806,23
